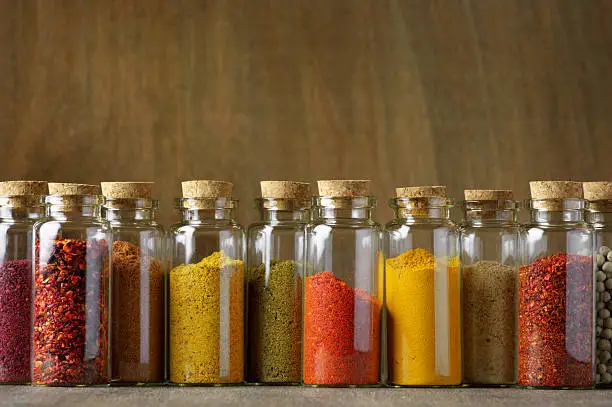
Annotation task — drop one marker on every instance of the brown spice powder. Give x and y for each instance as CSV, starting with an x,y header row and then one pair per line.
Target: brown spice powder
x,y
138,316
489,327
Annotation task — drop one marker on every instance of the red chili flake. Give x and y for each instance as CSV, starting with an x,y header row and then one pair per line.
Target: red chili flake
x,y
70,343
555,322
15,311
341,333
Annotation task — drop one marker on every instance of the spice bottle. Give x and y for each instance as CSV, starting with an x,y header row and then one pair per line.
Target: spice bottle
x,y
276,250
21,204
555,321
206,289
599,215
490,260
342,290
138,312
422,290
71,289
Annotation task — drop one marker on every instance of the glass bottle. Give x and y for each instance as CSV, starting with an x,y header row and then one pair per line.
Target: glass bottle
x,y
71,289
599,216
276,254
206,288
21,204
555,321
138,311
422,291
343,295
490,261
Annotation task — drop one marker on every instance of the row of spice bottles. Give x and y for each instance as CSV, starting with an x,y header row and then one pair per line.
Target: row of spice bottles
x,y
343,284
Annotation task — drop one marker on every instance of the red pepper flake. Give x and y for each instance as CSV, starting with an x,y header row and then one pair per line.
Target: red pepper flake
x,y
555,322
71,313
341,333
15,311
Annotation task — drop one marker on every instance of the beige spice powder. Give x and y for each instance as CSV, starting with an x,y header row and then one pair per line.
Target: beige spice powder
x,y
489,327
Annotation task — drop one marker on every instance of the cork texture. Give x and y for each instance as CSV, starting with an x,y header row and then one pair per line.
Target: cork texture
x,y
346,188
285,189
207,189
430,191
126,190
66,188
19,188
488,195
555,189
596,191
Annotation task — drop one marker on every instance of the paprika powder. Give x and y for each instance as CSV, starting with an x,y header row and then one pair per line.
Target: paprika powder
x,y
341,333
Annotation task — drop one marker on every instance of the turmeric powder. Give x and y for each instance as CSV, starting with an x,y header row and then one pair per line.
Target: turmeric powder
x,y
206,321
423,319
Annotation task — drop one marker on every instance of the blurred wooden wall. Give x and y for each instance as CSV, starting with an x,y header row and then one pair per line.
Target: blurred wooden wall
x,y
468,93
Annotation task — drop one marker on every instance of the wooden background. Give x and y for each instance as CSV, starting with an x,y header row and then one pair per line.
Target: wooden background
x,y
468,93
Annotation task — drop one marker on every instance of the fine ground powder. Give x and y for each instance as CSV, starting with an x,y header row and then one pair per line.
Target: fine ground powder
x,y
416,297
15,313
206,321
138,316
341,333
275,322
489,327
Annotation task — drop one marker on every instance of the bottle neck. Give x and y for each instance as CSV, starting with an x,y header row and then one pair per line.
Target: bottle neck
x,y
205,215
427,210
74,206
338,208
135,210
493,213
206,210
556,211
599,213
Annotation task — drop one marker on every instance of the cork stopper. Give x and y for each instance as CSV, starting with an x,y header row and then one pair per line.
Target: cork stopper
x,y
555,189
21,188
436,191
488,195
294,190
597,191
66,188
552,193
207,189
127,190
344,188
22,194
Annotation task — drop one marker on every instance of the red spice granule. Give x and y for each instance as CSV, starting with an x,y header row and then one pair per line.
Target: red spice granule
x,y
341,333
71,314
555,322
15,312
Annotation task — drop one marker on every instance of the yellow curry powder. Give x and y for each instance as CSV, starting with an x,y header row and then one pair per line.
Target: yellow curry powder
x,y
423,319
206,321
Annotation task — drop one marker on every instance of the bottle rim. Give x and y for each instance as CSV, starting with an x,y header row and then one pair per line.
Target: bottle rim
x,y
421,203
115,204
344,202
218,203
74,200
282,204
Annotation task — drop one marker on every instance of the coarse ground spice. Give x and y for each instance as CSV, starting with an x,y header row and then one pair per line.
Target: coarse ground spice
x,y
417,354
138,316
275,322
15,323
341,333
206,321
489,328
555,322
70,313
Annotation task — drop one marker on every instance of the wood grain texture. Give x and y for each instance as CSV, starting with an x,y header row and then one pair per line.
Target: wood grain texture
x,y
467,93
